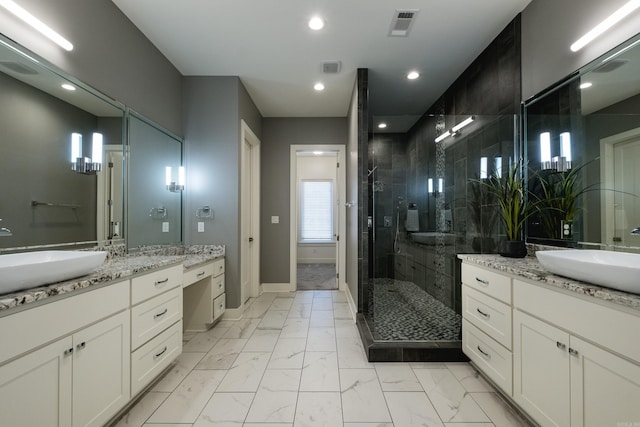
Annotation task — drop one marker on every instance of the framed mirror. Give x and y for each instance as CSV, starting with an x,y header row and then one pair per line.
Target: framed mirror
x,y
61,156
582,143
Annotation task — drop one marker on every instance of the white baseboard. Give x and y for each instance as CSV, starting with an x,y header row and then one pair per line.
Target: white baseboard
x,y
353,308
233,313
277,287
316,260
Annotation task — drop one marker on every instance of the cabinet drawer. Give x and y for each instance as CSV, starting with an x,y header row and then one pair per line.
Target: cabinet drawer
x,y
153,316
219,305
489,315
493,284
155,283
218,267
196,274
489,356
218,286
152,358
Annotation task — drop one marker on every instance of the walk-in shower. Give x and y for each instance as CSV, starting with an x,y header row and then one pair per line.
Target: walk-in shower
x,y
422,215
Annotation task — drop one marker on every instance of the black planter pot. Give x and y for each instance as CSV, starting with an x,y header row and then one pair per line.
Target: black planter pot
x,y
513,249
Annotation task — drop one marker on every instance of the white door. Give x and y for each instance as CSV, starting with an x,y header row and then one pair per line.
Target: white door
x,y
35,390
247,235
627,188
249,213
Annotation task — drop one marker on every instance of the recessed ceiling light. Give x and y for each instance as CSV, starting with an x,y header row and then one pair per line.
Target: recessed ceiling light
x,y
316,23
382,125
413,75
67,86
586,85
318,86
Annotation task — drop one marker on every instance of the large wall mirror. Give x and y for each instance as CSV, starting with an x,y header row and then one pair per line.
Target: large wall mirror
x,y
46,118
582,142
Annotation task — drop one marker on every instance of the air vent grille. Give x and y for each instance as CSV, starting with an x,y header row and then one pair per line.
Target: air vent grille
x,y
331,67
402,22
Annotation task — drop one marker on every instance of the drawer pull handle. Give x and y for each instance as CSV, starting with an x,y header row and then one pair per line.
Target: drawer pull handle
x,y
483,314
161,282
484,282
573,352
81,345
161,353
155,316
560,345
487,355
68,352
200,274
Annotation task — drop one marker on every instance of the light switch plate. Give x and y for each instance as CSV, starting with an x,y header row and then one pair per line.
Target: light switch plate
x,y
275,220
165,227
200,227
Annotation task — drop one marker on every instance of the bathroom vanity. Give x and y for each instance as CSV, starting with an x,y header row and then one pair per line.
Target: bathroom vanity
x,y
77,352
567,353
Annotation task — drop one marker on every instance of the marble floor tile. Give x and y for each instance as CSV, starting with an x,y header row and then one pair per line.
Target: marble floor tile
x,y
469,377
187,401
412,409
242,328
448,396
469,425
222,354
428,365
500,413
267,425
288,353
323,294
273,320
276,398
321,339
204,341
303,296
281,304
397,377
167,425
225,409
257,309
262,340
362,398
183,365
300,310
142,410
321,319
351,354
339,297
368,425
318,409
320,372
295,328
246,373
322,304
346,329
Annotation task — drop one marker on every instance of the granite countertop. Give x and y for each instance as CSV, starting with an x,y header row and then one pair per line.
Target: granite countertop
x,y
119,267
530,268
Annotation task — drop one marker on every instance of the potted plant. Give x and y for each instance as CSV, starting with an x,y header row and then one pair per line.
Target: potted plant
x,y
510,194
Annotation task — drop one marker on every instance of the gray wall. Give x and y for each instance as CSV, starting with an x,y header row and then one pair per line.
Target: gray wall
x,y
278,134
213,108
110,54
549,27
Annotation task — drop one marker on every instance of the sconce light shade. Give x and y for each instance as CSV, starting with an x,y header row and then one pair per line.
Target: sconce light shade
x,y
483,167
498,162
85,165
430,185
170,183
565,146
167,176
76,147
545,150
443,136
181,176
463,123
440,185
96,149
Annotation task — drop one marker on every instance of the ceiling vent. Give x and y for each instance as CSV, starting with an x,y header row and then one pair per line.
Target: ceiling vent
x,y
402,22
331,67
19,68
609,66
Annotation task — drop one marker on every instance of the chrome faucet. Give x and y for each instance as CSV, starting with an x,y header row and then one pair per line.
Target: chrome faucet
x,y
5,231
635,230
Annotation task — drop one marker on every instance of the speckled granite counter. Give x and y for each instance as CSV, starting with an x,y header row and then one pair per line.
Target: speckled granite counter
x,y
530,268
117,267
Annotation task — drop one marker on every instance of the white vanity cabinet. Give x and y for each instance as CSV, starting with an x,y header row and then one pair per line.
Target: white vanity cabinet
x,y
571,360
68,362
156,324
204,295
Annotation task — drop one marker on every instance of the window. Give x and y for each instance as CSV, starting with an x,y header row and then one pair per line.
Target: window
x,y
316,211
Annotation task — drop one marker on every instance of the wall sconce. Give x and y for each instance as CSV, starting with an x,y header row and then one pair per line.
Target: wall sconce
x,y
456,129
85,165
431,190
171,184
561,163
484,167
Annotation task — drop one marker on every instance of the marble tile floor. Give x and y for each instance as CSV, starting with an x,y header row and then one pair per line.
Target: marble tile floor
x,y
296,359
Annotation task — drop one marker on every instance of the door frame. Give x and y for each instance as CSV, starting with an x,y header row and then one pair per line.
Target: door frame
x,y
607,178
250,158
293,211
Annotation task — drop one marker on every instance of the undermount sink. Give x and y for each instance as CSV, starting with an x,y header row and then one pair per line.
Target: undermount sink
x,y
616,270
431,237
32,269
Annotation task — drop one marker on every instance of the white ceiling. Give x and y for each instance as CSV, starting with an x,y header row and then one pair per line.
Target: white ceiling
x,y
278,58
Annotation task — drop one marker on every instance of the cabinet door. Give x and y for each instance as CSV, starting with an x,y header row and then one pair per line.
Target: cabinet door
x,y
541,370
35,390
101,369
605,389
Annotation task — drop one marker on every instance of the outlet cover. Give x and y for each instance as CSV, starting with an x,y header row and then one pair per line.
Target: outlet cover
x,y
275,220
200,227
165,227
